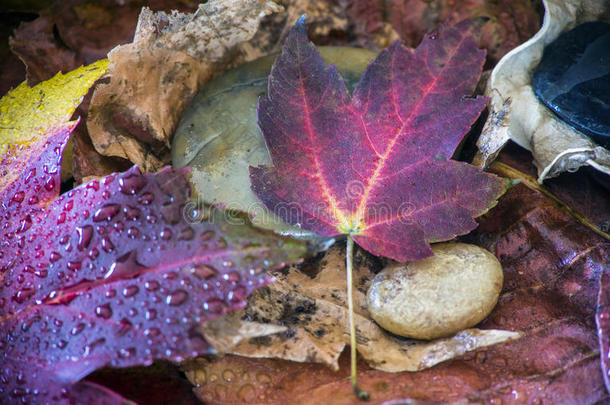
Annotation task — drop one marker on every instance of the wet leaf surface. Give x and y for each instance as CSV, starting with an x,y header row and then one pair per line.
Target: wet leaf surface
x,y
118,271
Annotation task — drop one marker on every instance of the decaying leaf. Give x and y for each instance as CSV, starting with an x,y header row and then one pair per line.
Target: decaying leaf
x,y
313,315
376,166
517,115
153,79
114,272
552,269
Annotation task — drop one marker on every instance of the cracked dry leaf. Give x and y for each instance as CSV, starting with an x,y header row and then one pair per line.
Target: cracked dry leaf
x,y
314,314
516,114
153,79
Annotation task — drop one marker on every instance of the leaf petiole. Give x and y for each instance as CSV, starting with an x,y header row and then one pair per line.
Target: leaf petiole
x,y
362,395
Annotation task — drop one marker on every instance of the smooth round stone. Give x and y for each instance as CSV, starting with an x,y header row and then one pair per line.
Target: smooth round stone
x,y
573,79
218,135
439,296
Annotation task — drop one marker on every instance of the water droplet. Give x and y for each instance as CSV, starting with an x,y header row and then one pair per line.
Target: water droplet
x,y
93,253
84,234
214,306
186,234
33,200
232,277
151,219
200,376
131,184
130,291
106,213
74,265
69,205
62,344
222,243
176,298
22,295
107,245
61,218
246,393
77,329
50,184
165,234
54,256
133,232
127,353
263,378
94,184
207,235
203,271
228,375
41,273
237,295
152,332
146,198
19,196
125,326
103,311
132,312
131,213
151,285
150,314
30,174
26,223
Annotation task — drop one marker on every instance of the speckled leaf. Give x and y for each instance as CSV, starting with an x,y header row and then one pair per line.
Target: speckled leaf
x,y
376,165
118,271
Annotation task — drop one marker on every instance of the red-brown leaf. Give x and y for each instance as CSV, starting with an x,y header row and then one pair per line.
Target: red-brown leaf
x,y
376,165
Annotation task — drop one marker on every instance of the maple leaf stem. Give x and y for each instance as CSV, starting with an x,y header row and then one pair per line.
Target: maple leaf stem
x,y
363,395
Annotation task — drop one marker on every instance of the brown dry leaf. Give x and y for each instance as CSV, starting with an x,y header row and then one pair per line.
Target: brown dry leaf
x,y
516,114
153,79
313,315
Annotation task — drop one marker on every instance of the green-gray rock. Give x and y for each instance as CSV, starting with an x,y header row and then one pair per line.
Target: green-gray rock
x,y
219,138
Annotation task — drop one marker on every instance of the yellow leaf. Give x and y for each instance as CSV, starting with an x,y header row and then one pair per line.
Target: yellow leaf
x,y
27,113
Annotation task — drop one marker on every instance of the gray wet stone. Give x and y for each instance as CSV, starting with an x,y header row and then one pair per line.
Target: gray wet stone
x,y
218,135
573,79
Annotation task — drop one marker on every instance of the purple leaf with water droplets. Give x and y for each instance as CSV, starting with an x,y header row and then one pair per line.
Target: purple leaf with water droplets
x,y
117,272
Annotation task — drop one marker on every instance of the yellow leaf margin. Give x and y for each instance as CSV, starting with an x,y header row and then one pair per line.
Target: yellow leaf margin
x,y
27,113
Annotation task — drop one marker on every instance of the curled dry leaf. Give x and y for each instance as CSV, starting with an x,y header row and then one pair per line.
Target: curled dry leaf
x,y
314,318
517,115
552,268
153,79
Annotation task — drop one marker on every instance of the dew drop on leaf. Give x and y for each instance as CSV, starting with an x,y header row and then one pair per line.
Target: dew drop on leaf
x,y
106,213
103,311
176,298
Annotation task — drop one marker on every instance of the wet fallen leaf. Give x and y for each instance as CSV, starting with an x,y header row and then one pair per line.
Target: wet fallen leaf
x,y
312,312
114,272
153,79
516,114
552,269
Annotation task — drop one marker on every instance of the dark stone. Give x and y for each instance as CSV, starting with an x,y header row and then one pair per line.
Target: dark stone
x,y
573,79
